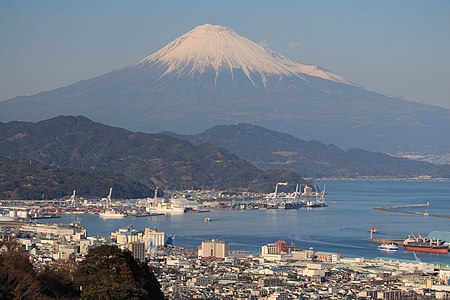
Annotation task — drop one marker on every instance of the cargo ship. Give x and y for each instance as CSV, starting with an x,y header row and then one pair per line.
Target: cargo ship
x,y
110,213
159,205
422,244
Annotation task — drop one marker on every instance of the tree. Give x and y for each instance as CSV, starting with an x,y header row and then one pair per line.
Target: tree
x,y
18,280
58,280
109,273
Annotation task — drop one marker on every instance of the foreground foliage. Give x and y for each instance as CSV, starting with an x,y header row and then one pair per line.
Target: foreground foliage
x,y
18,279
106,273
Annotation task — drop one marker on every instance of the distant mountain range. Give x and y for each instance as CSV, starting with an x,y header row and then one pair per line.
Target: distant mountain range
x,y
269,149
28,179
151,159
55,156
212,75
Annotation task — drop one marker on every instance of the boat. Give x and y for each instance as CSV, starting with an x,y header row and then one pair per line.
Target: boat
x,y
142,214
289,205
160,205
315,204
110,213
166,207
319,202
388,247
422,244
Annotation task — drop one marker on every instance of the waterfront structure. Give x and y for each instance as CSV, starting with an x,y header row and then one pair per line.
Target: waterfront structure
x,y
213,249
152,239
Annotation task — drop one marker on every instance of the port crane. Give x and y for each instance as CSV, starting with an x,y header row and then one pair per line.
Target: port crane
x,y
276,188
72,199
297,191
170,242
108,200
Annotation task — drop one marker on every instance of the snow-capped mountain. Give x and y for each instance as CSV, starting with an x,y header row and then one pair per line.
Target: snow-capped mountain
x,y
212,75
221,49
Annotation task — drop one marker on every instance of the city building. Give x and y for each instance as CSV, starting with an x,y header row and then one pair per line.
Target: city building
x,y
213,249
307,254
279,247
327,256
152,239
138,250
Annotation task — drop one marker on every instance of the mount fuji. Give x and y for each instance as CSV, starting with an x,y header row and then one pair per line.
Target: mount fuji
x,y
212,75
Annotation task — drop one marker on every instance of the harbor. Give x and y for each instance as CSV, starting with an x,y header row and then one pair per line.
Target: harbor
x,y
342,226
336,233
172,202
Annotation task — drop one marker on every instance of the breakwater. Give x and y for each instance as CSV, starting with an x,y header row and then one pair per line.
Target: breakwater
x,y
397,209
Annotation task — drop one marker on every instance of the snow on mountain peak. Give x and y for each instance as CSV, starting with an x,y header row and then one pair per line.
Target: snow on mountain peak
x,y
219,48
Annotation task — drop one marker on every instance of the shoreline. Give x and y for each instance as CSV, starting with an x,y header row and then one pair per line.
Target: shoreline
x,y
383,179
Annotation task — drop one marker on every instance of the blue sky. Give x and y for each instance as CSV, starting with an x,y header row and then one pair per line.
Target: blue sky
x,y
399,48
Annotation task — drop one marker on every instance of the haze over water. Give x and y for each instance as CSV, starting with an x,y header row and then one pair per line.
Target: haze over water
x,y
342,227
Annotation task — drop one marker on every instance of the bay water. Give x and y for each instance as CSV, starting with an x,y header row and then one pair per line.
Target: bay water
x,y
341,227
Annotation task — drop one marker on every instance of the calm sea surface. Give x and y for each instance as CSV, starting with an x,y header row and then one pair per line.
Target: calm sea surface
x,y
341,227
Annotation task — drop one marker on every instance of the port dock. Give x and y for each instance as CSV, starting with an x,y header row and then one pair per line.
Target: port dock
x,y
395,241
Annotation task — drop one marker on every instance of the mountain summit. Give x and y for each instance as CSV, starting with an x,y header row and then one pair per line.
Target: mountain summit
x,y
221,49
212,75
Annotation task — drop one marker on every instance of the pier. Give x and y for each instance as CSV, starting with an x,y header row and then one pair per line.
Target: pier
x,y
395,241
407,206
396,209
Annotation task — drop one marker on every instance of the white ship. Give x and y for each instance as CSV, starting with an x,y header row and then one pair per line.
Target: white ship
x,y
388,247
160,205
110,213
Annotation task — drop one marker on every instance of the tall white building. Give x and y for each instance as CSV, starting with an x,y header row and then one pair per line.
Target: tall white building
x,y
213,249
151,238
